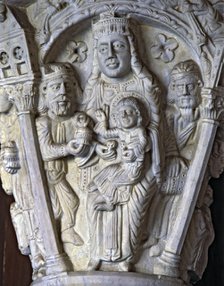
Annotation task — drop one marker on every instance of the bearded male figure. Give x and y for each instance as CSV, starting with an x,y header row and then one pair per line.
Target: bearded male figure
x,y
56,128
183,115
182,118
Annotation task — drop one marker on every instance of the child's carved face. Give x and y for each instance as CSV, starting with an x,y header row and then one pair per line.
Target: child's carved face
x,y
128,116
81,120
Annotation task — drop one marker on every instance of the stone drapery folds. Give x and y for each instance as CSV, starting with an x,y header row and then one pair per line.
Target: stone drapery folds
x,y
106,148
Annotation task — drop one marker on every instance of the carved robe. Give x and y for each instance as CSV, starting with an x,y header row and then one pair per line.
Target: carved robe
x,y
100,94
200,233
124,189
185,134
53,135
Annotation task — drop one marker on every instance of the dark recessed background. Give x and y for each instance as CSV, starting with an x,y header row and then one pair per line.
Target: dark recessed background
x,y
15,269
214,273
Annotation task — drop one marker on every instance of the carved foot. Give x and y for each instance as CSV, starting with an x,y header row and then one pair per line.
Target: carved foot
x,y
157,249
71,236
93,264
39,268
150,242
38,273
35,274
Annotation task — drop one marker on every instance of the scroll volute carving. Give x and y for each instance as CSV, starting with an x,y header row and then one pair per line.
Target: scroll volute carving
x,y
118,154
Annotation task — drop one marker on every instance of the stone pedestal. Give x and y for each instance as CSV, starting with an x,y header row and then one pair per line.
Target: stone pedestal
x,y
107,279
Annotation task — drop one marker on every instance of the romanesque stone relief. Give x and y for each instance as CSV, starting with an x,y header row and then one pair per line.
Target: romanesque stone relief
x,y
16,181
107,135
77,52
164,48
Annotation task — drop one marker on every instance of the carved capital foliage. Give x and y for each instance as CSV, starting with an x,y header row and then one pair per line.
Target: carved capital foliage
x,y
22,95
108,114
212,104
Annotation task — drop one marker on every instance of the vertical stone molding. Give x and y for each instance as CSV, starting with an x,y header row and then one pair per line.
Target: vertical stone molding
x,y
111,118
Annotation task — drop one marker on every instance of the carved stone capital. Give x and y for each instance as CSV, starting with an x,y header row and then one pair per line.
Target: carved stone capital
x,y
212,103
108,114
22,95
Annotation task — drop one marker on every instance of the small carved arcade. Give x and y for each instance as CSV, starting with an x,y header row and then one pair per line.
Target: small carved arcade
x,y
108,112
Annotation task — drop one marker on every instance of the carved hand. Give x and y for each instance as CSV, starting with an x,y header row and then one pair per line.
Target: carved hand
x,y
129,155
105,152
111,144
176,166
100,115
76,150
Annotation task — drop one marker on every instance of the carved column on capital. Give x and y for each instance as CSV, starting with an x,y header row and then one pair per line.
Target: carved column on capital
x,y
210,110
23,95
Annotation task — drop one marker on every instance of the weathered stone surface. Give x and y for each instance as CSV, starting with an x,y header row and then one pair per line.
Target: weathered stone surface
x,y
109,278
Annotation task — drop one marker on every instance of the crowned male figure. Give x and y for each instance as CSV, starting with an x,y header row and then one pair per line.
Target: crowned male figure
x,y
56,127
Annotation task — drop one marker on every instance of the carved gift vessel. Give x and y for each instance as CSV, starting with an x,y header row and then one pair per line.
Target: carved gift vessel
x,y
111,127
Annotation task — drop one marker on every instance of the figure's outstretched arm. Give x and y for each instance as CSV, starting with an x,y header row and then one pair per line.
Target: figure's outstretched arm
x,y
101,127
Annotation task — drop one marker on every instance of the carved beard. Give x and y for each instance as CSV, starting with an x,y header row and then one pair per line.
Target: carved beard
x,y
61,108
187,102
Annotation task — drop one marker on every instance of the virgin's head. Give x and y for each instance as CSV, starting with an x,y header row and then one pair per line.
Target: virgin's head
x,y
114,49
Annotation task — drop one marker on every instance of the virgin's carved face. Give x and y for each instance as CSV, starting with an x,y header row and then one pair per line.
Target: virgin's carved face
x,y
114,55
59,95
128,117
187,92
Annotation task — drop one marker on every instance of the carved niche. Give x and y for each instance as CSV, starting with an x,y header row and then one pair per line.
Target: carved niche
x,y
109,111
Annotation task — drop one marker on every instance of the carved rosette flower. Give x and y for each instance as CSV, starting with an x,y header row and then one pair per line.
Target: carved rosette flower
x,y
164,48
77,51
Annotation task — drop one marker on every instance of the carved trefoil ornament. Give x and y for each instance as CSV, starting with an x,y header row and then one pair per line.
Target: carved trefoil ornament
x,y
115,143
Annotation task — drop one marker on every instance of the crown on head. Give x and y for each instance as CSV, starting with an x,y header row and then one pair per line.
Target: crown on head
x,y
109,23
52,71
185,68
